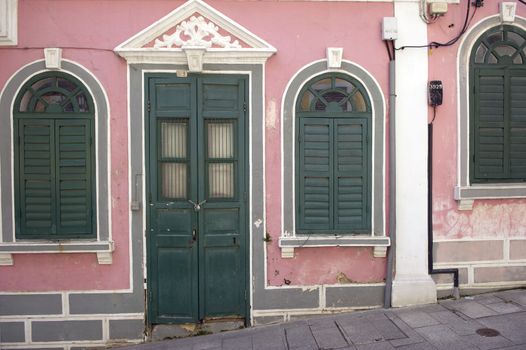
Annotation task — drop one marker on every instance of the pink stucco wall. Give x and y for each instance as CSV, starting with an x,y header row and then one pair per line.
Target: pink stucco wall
x,y
302,39
489,218
88,30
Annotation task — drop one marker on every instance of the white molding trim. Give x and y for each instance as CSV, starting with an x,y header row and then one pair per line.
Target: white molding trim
x,y
104,258
464,190
53,57
8,22
103,249
257,50
287,244
6,259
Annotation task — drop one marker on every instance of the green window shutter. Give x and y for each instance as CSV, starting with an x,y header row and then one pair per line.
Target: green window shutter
x,y
333,157
54,164
498,107
351,178
36,170
490,126
518,125
315,174
73,177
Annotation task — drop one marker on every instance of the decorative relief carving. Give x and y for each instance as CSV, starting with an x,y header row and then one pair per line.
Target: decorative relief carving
x,y
196,32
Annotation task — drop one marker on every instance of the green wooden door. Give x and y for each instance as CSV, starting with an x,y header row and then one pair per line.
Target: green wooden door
x,y
197,198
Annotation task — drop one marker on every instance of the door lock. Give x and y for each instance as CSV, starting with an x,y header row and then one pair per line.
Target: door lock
x,y
197,206
194,234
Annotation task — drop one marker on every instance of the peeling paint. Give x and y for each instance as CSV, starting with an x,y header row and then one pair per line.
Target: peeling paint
x,y
271,118
487,219
342,278
309,289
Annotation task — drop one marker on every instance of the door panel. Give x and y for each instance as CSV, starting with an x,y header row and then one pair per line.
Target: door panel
x,y
196,220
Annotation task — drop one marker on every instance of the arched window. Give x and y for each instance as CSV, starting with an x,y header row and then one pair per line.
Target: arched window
x,y
54,159
333,156
498,108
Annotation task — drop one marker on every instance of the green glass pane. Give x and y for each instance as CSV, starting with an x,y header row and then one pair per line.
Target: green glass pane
x,y
495,37
358,102
220,140
306,101
173,180
82,101
173,139
24,103
43,84
221,180
516,38
481,53
492,59
504,50
321,85
66,84
53,100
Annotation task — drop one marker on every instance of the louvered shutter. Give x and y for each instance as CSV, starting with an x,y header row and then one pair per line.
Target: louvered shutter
x,y
315,174
54,178
517,125
351,174
334,191
490,125
73,179
36,209
499,125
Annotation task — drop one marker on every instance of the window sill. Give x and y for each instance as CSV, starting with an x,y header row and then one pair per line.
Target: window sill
x,y
288,243
466,195
103,249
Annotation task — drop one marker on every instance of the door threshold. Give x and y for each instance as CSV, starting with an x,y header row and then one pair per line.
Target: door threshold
x,y
209,326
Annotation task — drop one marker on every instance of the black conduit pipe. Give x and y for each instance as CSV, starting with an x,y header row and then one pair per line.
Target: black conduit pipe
x,y
431,270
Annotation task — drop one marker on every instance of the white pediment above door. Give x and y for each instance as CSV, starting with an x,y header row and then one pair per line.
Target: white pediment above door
x,y
195,34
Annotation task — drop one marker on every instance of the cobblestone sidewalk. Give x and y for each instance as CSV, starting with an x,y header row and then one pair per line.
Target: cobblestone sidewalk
x,y
488,321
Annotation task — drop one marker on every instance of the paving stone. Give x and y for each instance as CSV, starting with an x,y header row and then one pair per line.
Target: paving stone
x,y
269,339
416,319
207,346
359,331
486,299
487,343
376,346
387,328
517,296
412,336
418,346
444,338
505,307
300,337
456,323
328,337
241,342
471,309
511,326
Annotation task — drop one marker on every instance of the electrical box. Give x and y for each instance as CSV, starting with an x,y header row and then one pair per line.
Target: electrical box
x,y
438,8
435,93
389,28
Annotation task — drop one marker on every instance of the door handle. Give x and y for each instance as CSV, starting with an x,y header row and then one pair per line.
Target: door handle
x,y
194,234
197,206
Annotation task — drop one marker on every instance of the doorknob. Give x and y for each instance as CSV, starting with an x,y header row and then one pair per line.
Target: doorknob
x,y
197,206
194,234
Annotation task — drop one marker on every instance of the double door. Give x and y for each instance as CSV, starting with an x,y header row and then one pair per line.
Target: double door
x,y
196,231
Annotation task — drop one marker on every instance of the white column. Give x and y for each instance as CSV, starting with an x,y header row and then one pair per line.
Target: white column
x,y
412,285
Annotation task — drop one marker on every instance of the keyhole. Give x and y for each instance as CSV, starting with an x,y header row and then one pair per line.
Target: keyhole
x,y
234,240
